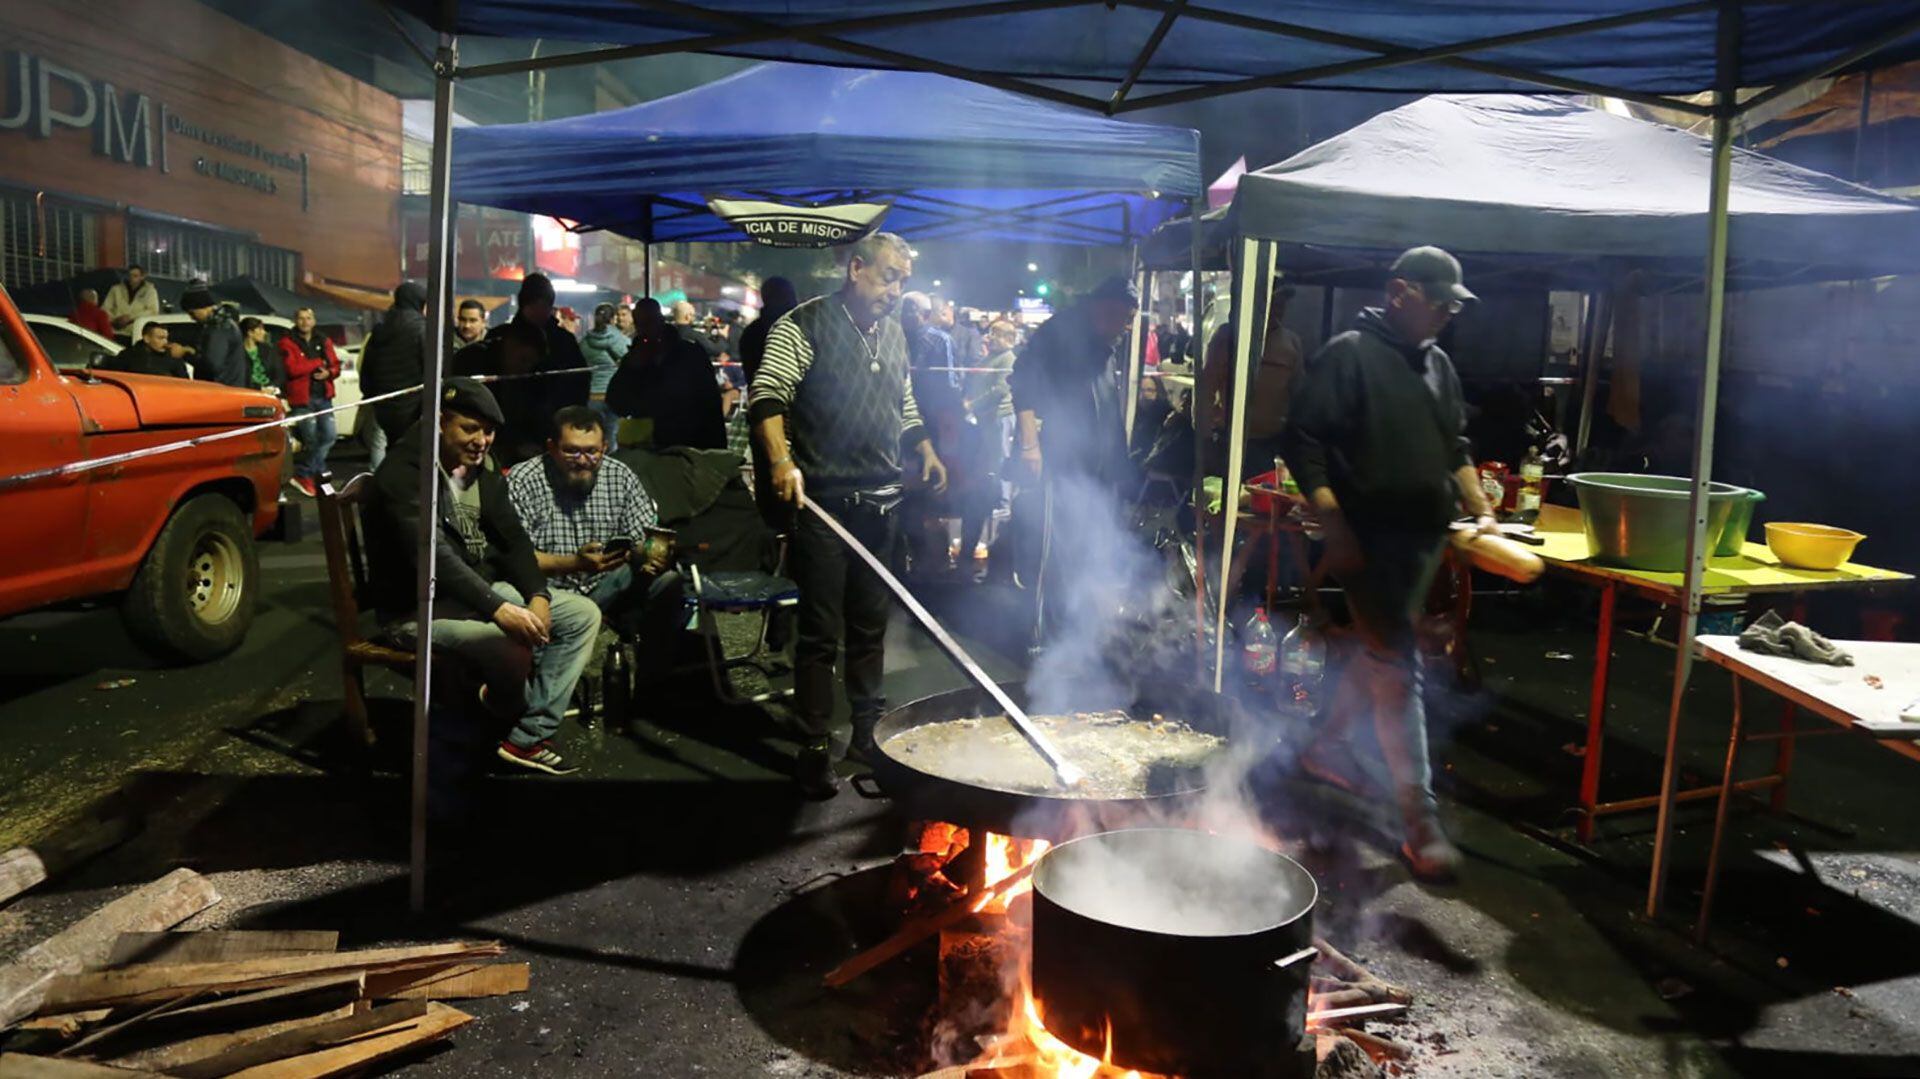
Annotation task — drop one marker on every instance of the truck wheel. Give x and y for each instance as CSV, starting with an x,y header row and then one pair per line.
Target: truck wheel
x,y
194,596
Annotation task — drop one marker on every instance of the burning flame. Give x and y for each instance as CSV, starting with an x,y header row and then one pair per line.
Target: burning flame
x,y
1054,1058
1003,857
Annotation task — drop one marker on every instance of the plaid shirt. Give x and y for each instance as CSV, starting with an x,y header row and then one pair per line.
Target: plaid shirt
x,y
560,523
739,438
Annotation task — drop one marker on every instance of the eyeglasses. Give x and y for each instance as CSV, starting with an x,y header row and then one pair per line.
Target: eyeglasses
x,y
1450,305
582,455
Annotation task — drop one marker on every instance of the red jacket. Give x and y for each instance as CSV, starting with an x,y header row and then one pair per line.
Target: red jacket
x,y
300,369
91,316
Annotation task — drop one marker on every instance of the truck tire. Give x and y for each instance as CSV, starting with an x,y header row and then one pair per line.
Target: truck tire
x,y
193,598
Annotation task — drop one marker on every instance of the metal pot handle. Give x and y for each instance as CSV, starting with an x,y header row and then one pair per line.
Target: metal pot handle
x,y
1306,954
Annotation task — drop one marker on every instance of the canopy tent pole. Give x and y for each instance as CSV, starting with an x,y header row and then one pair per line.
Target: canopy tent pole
x,y
1593,343
439,297
1136,346
1252,288
1698,542
1202,421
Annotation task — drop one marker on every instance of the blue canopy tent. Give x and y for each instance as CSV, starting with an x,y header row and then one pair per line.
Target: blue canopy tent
x,y
1096,53
995,165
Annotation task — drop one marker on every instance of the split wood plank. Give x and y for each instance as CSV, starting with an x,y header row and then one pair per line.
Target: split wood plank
x,y
919,929
24,867
462,981
219,946
439,1022
22,1066
174,1054
161,904
65,1024
304,1042
302,998
143,984
20,869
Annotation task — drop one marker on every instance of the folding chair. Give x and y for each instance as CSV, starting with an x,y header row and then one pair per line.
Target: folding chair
x,y
710,595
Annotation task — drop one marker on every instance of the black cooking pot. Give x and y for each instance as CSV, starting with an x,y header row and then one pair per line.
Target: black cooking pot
x,y
924,795
1173,944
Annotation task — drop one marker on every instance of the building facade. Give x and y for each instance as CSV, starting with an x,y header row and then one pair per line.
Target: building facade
x,y
165,133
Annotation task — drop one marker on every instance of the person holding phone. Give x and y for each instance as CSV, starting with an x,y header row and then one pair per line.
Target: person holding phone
x,y
589,517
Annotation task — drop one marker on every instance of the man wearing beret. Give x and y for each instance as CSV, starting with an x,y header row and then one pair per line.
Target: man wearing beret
x,y
493,612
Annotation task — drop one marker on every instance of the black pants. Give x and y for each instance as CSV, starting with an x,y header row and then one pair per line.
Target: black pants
x,y
840,597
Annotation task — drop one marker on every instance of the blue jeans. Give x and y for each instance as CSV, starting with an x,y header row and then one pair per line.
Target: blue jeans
x,y
610,419
317,434
532,684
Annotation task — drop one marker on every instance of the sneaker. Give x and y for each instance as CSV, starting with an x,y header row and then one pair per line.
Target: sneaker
x,y
305,486
538,757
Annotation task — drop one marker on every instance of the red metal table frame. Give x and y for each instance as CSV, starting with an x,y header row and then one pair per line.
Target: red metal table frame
x,y
1721,652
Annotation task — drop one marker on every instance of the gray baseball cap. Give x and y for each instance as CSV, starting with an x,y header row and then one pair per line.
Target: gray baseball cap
x,y
1437,272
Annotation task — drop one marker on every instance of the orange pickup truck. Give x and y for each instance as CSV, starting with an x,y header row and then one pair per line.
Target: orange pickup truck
x,y
172,535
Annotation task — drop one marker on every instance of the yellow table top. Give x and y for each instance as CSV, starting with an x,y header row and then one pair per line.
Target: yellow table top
x,y
1755,569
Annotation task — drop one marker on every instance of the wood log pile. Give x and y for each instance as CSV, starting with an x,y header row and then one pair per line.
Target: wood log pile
x,y
118,994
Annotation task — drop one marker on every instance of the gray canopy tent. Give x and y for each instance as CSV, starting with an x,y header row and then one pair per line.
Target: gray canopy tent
x,y
1546,190
1638,50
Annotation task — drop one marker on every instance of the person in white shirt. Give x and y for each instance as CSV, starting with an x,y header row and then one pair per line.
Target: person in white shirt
x,y
132,299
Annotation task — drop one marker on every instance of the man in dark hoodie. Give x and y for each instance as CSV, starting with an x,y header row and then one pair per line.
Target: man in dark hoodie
x,y
528,393
534,308
220,355
1375,436
394,358
493,612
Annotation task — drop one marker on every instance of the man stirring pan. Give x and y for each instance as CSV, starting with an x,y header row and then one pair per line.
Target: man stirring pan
x,y
1374,436
831,402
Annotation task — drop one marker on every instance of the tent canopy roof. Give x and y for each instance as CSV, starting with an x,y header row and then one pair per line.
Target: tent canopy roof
x,y
957,158
1625,47
1552,184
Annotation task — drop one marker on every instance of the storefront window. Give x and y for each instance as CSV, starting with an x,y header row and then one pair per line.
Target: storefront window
x,y
172,249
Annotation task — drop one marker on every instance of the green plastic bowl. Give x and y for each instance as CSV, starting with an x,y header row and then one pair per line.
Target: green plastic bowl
x,y
1641,522
1739,523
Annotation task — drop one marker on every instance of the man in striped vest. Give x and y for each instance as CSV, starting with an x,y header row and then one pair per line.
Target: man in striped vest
x,y
832,406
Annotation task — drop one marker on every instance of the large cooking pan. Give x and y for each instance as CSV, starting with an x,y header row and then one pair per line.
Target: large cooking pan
x,y
923,795
1180,952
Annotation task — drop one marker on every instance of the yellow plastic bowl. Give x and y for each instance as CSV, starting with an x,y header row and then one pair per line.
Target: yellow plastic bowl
x,y
1810,546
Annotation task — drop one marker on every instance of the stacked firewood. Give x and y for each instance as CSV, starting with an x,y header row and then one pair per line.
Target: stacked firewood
x,y
117,994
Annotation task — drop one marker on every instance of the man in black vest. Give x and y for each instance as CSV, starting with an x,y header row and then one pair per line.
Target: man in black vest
x,y
831,402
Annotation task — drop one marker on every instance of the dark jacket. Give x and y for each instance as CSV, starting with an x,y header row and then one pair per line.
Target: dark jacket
x,y
671,382
528,404
464,583
1382,422
138,359
1065,376
222,355
753,340
395,355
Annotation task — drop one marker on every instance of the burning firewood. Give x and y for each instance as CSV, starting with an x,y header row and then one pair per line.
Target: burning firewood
x,y
1380,1049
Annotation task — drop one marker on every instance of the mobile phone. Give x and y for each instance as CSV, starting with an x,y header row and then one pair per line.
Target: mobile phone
x,y
617,544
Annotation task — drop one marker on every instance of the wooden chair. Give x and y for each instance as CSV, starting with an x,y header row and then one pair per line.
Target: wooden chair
x,y
346,580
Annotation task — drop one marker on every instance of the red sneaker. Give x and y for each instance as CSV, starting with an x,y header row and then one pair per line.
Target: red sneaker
x,y
305,486
538,757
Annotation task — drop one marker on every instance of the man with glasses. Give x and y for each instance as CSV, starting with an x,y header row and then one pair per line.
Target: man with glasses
x,y
575,502
1375,436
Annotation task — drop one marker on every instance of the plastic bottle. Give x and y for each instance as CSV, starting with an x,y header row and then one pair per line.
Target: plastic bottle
x,y
1303,660
1533,473
1260,646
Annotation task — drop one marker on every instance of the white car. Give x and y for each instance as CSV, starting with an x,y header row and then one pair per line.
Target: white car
x,y
70,347
346,391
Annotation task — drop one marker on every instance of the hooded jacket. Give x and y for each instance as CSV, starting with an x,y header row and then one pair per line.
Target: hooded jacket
x,y
604,348
1382,422
395,356
1065,377
222,355
464,582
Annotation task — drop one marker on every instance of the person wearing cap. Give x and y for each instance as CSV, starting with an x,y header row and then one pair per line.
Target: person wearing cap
x,y
833,408
531,403
1071,433
494,614
1270,384
221,355
1375,435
